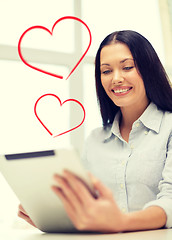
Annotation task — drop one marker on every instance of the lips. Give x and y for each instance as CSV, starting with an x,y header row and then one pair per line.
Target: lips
x,y
120,91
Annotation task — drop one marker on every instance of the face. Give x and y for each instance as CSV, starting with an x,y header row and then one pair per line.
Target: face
x,y
120,77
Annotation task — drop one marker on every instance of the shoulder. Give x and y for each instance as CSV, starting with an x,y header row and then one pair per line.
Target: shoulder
x,y
95,143
168,116
167,120
157,119
165,129
99,134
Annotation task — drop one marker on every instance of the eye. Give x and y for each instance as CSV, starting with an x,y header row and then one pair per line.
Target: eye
x,y
128,68
106,72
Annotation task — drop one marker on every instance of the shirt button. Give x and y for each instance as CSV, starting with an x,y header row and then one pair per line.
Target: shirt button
x,y
137,125
146,132
121,185
116,138
132,147
123,163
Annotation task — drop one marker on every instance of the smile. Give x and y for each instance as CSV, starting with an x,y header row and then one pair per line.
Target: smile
x,y
121,91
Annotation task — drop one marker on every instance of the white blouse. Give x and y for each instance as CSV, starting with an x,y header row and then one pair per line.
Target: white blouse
x,y
139,173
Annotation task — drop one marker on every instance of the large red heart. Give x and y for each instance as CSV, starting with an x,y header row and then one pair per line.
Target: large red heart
x,y
61,104
51,33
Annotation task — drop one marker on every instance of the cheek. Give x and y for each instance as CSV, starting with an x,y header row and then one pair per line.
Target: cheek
x,y
104,84
141,85
141,89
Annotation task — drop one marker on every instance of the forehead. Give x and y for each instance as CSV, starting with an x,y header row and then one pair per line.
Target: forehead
x,y
115,52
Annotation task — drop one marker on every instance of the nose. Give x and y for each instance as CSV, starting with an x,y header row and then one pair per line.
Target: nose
x,y
117,77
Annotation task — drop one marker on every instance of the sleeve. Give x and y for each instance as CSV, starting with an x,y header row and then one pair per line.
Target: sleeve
x,y
164,198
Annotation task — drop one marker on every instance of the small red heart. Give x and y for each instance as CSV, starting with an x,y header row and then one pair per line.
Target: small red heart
x,y
61,104
51,33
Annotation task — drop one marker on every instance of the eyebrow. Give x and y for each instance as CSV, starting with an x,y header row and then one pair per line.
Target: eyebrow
x,y
126,60
122,61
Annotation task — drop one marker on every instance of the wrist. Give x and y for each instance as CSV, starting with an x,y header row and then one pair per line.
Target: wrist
x,y
127,222
123,223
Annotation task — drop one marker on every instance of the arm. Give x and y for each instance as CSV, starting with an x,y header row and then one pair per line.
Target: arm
x,y
164,197
102,214
150,218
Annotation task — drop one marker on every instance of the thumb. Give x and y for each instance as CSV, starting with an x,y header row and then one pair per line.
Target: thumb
x,y
100,187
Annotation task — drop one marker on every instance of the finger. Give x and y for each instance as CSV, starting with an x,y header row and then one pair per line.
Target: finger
x,y
22,209
59,192
79,188
66,194
100,187
26,218
67,205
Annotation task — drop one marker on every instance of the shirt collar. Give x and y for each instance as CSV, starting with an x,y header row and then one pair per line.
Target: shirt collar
x,y
114,129
151,119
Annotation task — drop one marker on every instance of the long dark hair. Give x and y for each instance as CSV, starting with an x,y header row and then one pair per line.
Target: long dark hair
x,y
156,82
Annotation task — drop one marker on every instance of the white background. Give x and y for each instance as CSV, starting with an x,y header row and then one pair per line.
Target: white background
x,y
21,86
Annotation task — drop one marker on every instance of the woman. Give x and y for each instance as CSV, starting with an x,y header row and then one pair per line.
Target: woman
x,y
132,153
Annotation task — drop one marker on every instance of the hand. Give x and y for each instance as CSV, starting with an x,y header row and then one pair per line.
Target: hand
x,y
86,212
22,214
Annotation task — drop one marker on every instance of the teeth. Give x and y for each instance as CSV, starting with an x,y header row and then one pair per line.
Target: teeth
x,y
121,90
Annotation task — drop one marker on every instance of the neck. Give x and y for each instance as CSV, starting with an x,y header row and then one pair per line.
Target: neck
x,y
131,114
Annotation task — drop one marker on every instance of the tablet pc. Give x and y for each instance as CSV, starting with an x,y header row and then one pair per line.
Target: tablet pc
x,y
30,176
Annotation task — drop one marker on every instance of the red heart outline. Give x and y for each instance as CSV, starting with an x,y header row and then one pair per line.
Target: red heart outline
x,y
51,33
61,103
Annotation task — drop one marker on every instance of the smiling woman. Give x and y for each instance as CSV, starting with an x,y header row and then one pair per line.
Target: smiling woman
x,y
121,155
20,86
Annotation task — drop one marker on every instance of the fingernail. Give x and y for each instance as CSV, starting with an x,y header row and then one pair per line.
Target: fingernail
x,y
56,177
65,171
